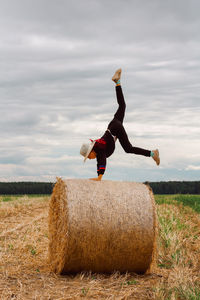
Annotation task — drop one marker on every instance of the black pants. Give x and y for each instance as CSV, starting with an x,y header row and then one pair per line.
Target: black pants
x,y
117,129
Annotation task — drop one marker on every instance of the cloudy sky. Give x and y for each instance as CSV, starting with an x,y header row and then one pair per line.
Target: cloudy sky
x,y
56,63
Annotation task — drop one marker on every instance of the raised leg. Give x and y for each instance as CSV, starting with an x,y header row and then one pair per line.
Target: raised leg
x,y
119,115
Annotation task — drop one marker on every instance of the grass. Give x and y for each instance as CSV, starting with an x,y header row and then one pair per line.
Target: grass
x,y
8,198
192,201
187,200
178,244
25,274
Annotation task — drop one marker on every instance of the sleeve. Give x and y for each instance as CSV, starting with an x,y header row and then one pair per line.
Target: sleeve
x,y
101,162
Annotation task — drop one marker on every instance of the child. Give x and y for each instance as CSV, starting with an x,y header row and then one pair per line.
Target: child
x,y
105,146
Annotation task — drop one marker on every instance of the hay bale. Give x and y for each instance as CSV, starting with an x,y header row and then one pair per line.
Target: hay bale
x,y
101,226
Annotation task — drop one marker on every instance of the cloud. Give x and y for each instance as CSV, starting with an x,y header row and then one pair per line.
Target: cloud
x,y
57,60
195,168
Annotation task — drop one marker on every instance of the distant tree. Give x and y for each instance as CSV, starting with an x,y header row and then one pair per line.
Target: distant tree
x,y
25,188
175,187
162,187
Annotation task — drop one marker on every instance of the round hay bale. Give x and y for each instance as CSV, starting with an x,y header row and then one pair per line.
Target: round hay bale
x,y
101,226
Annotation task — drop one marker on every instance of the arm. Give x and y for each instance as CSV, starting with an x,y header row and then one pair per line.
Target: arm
x,y
101,165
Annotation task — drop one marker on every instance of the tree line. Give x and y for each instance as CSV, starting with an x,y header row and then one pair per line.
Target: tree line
x,y
26,188
175,187
46,188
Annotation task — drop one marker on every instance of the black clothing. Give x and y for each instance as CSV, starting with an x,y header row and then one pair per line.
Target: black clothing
x,y
105,146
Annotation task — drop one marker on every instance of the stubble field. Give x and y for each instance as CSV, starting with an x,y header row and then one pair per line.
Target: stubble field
x,y
25,272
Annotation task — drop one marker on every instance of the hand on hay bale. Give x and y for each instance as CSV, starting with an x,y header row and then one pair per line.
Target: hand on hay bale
x,y
97,178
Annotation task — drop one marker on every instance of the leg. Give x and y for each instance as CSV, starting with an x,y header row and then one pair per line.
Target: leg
x,y
118,130
127,146
119,115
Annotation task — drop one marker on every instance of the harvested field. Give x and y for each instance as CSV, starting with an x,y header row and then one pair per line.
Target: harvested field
x,y
25,273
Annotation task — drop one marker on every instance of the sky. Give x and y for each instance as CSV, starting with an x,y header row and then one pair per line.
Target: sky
x,y
57,59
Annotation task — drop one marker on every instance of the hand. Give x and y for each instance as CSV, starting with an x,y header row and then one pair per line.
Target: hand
x,y
97,178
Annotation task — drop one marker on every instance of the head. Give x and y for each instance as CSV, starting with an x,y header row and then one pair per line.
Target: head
x,y
87,151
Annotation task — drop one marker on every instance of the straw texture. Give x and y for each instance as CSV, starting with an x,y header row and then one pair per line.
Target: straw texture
x,y
101,226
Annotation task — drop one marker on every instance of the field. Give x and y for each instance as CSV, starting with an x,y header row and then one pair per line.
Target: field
x,y
25,273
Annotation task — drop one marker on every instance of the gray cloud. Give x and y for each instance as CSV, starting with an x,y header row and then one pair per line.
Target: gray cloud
x,y
57,60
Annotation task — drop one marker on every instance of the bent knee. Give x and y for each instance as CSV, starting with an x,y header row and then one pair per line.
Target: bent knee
x,y
128,149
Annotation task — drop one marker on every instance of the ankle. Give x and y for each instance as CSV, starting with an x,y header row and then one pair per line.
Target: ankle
x,y
118,83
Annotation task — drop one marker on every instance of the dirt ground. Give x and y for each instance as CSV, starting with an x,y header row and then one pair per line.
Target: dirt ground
x,y
24,268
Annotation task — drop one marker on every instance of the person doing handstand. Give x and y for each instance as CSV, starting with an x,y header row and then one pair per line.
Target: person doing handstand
x,y
104,147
